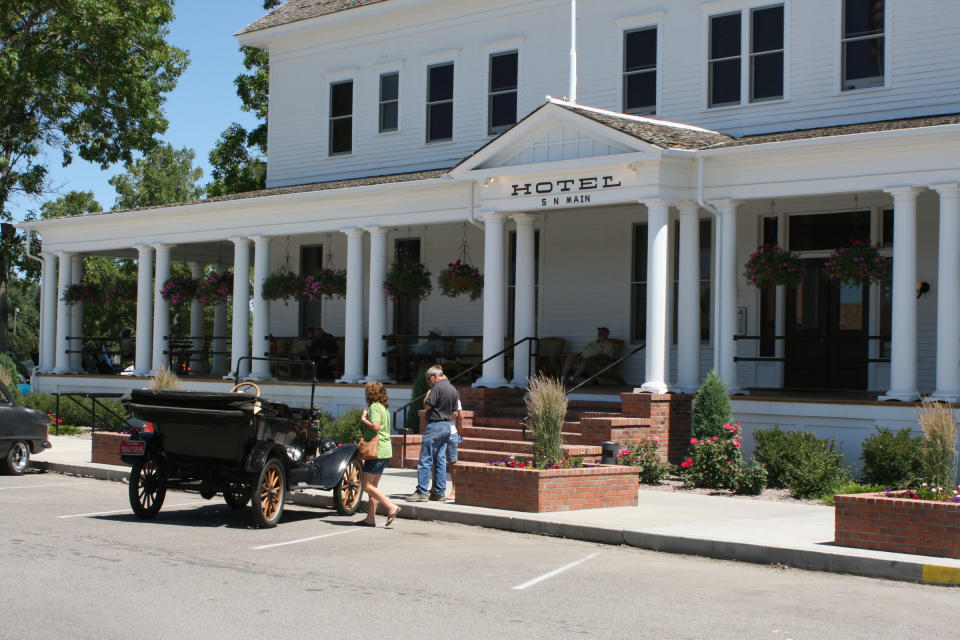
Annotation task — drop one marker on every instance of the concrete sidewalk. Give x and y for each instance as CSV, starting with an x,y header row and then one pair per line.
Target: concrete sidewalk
x,y
790,534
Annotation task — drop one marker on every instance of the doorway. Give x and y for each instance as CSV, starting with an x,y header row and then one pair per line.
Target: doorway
x,y
826,332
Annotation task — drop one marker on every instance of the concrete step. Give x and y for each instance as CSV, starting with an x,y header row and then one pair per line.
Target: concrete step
x,y
496,433
483,455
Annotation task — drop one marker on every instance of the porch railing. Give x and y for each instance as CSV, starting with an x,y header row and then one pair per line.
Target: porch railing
x,y
822,338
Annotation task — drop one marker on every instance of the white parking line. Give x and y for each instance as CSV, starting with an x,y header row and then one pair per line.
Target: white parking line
x,y
35,486
326,535
530,583
127,510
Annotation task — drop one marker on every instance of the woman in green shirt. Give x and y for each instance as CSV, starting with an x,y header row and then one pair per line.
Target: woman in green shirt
x,y
376,424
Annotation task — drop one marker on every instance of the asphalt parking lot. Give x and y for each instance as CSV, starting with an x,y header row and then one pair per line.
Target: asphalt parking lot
x,y
77,563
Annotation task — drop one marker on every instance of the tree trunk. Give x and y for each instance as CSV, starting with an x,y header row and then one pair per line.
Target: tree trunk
x,y
7,232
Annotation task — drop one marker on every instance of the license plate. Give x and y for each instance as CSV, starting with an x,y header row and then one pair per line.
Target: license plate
x,y
132,447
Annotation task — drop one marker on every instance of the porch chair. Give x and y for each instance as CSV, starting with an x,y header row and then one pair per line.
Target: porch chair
x,y
550,358
609,373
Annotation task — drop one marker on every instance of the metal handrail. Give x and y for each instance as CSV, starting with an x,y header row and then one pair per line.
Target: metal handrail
x,y
94,398
829,338
533,354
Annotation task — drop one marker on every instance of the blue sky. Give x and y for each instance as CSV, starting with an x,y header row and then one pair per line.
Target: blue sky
x,y
204,103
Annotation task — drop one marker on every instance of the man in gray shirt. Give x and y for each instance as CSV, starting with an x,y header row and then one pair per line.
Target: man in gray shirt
x,y
441,405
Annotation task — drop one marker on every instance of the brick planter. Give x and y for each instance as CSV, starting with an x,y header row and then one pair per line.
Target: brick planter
x,y
532,490
106,447
873,521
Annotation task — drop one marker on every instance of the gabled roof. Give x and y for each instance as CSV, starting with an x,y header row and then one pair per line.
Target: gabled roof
x,y
296,10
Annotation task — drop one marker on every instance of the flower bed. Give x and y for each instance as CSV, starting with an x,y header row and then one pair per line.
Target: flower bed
x,y
902,525
542,490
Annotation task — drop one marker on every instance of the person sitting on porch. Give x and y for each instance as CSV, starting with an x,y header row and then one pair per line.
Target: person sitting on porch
x,y
433,346
322,349
595,355
127,348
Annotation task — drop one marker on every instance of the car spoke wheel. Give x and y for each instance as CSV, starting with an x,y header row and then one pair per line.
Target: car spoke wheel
x,y
18,458
146,488
346,495
268,494
237,494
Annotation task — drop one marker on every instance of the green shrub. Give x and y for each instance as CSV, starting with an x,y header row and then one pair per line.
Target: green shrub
x,y
9,374
711,408
546,402
420,387
851,487
643,454
810,467
891,459
716,462
345,429
72,415
751,480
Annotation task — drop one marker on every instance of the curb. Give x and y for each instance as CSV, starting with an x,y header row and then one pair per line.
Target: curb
x,y
805,559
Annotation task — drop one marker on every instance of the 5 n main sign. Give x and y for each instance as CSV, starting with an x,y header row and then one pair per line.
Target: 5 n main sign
x,y
563,192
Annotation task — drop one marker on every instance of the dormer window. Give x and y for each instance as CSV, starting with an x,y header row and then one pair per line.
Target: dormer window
x,y
863,44
341,117
440,102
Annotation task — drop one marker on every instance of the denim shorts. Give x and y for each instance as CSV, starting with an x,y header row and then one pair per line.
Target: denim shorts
x,y
452,446
375,467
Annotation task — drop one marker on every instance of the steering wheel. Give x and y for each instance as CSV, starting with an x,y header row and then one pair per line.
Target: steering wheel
x,y
244,385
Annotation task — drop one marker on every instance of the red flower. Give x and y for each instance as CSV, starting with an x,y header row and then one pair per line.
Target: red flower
x,y
686,464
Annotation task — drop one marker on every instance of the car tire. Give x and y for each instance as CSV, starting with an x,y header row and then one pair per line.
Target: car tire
x,y
268,494
237,495
146,488
346,495
17,459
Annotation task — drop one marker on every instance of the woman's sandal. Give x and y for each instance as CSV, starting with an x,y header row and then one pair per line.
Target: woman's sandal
x,y
392,516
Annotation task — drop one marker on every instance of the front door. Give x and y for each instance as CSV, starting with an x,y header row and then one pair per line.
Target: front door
x,y
826,333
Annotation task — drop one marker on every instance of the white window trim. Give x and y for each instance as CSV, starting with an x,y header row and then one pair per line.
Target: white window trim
x,y
726,7
353,116
440,61
838,89
636,24
380,73
487,123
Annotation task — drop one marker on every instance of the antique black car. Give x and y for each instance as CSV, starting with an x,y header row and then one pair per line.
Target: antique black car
x,y
236,444
23,432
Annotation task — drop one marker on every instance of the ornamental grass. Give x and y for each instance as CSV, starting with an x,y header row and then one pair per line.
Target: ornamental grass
x,y
547,408
938,453
164,378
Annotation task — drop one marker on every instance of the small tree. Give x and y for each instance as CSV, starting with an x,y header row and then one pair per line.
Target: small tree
x,y
420,387
711,408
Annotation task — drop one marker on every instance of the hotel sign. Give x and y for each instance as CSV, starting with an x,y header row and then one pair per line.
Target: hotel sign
x,y
565,191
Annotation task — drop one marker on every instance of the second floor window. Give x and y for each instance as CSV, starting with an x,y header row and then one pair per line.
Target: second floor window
x,y
389,101
640,71
341,117
863,36
440,102
502,107
766,57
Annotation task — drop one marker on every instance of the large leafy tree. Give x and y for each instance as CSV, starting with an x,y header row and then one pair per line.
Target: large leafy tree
x,y
164,175
81,77
238,159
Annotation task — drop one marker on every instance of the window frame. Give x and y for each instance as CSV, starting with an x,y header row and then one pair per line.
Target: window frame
x,y
381,103
625,73
431,104
491,93
753,54
843,40
332,119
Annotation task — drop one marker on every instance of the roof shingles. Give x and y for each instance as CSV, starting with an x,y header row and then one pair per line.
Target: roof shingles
x,y
296,10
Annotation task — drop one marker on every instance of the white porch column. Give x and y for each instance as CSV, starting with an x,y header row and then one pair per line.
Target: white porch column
x,y
903,329
76,318
493,301
658,274
353,328
240,338
48,313
143,339
728,294
688,299
524,319
260,346
377,322
63,314
198,362
948,294
220,364
161,310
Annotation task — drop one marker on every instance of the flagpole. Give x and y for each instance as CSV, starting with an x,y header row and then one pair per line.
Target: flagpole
x,y
573,51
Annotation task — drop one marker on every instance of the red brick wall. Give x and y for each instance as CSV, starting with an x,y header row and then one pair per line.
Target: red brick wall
x,y
872,521
486,401
484,485
106,447
670,420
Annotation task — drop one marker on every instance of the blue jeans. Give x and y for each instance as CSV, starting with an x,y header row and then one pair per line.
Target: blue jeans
x,y
433,453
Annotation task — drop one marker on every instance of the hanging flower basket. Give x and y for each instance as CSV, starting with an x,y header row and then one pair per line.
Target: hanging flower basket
x,y
770,266
326,282
180,289
461,278
82,292
282,285
860,263
408,279
215,289
121,291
